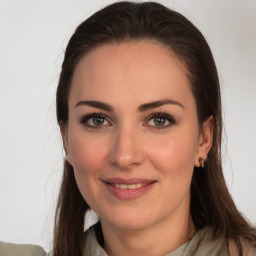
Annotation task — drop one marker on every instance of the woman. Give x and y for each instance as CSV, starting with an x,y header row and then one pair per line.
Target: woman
x,y
139,108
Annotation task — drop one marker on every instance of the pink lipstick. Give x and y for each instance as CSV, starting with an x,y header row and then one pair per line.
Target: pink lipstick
x,y
128,189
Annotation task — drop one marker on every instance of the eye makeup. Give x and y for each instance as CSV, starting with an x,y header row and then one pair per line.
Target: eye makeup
x,y
160,120
95,120
157,120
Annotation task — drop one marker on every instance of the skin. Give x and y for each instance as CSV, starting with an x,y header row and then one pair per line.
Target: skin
x,y
129,144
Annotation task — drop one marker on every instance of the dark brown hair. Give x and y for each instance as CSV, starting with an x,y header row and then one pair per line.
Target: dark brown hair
x,y
211,203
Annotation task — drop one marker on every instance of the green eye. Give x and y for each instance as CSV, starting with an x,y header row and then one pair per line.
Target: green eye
x,y
159,121
94,120
98,121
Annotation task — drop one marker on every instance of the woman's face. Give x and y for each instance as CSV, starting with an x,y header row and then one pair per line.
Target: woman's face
x,y
133,135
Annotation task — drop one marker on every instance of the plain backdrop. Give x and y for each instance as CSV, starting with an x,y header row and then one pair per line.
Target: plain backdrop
x,y
33,36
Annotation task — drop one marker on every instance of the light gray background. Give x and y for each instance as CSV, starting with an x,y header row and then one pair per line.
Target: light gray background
x,y
33,36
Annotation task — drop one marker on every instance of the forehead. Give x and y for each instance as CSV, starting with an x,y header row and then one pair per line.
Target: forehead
x,y
137,70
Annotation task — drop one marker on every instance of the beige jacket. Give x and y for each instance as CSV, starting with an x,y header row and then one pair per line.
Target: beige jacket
x,y
8,249
201,244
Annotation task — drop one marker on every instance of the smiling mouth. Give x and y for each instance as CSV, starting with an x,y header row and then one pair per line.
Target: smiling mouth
x,y
128,189
129,186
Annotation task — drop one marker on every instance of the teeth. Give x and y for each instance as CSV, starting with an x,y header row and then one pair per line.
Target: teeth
x,y
123,186
130,186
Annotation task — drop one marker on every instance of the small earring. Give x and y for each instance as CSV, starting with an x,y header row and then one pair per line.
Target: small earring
x,y
201,161
65,158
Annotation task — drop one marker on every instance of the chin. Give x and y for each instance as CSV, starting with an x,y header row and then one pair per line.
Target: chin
x,y
130,221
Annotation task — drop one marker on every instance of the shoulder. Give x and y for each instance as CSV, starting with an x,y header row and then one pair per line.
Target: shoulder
x,y
248,249
9,249
92,247
204,242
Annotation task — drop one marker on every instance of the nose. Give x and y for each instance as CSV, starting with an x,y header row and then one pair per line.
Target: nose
x,y
127,149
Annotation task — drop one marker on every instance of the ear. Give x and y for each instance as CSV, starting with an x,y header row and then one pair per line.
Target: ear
x,y
205,140
63,130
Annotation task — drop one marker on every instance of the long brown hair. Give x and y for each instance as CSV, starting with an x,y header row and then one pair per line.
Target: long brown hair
x,y
211,203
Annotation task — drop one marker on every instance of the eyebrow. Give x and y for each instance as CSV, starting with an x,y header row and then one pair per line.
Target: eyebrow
x,y
95,104
141,108
159,103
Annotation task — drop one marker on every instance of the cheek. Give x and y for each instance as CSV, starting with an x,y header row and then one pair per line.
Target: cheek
x,y
87,155
86,152
174,160
174,154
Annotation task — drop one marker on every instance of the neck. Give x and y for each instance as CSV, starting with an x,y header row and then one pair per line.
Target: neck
x,y
159,239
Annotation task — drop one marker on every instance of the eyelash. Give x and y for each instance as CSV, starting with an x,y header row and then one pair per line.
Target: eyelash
x,y
162,115
84,120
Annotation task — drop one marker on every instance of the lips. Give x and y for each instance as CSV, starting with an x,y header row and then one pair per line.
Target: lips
x,y
127,181
128,188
